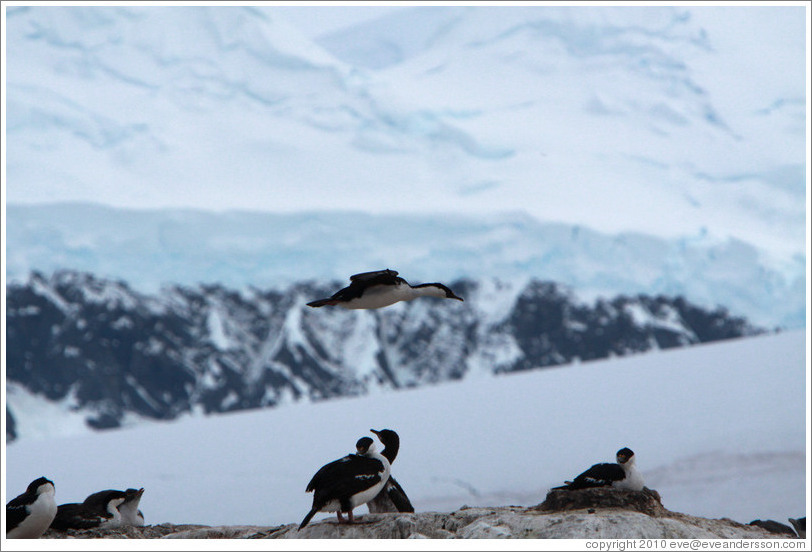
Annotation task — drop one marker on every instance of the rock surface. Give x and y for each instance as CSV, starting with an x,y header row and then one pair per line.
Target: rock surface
x,y
589,513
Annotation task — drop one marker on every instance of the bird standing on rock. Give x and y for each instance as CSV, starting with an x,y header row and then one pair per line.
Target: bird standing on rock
x,y
392,497
352,480
381,288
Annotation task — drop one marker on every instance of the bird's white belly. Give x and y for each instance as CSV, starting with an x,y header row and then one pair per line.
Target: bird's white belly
x,y
355,500
633,482
114,521
130,514
377,297
41,514
367,495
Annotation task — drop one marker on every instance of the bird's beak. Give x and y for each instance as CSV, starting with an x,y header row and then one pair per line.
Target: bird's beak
x,y
375,431
457,298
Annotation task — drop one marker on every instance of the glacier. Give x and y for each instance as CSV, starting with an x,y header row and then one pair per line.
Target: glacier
x,y
658,120
150,249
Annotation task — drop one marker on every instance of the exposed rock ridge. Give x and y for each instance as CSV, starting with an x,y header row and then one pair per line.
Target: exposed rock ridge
x,y
589,513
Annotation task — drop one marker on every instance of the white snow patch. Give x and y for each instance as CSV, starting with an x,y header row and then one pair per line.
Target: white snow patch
x,y
37,417
216,327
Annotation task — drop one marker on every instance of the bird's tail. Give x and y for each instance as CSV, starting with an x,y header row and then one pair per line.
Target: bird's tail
x,y
321,303
566,487
307,518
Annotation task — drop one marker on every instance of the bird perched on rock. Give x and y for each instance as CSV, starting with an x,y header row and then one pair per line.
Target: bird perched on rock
x,y
381,288
622,475
350,481
774,526
392,497
30,514
99,510
799,525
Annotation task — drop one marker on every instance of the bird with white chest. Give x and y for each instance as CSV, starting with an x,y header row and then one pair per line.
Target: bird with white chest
x,y
30,514
98,510
623,475
381,288
130,514
351,481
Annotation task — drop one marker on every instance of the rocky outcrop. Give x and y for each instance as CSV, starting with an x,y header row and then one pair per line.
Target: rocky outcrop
x,y
585,514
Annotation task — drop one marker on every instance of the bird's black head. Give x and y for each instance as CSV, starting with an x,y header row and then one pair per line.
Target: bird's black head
x,y
623,455
448,293
388,437
443,289
133,494
35,486
363,444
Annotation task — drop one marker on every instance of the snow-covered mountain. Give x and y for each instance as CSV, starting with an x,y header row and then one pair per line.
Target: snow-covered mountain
x,y
718,431
658,120
112,354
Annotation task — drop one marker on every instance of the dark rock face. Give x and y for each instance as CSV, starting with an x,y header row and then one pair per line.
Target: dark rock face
x,y
115,351
647,501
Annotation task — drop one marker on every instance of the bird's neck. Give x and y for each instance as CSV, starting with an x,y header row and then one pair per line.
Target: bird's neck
x,y
427,291
390,451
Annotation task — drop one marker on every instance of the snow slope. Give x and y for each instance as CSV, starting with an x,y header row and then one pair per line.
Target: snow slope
x,y
719,430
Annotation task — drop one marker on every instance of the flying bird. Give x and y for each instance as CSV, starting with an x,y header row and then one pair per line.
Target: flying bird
x,y
622,475
30,514
381,288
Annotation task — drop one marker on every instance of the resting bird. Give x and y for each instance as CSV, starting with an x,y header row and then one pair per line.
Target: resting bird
x,y
392,497
98,510
30,514
381,288
800,526
348,482
623,475
130,514
774,527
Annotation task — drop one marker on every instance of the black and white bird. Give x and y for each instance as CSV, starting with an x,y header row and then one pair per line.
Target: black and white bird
x,y
392,497
774,527
349,482
99,510
130,514
381,288
799,525
623,475
30,514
